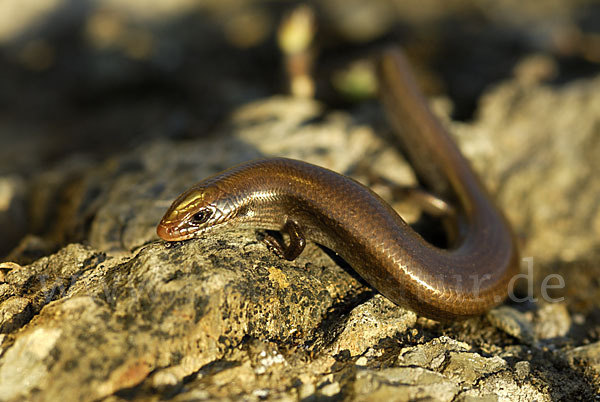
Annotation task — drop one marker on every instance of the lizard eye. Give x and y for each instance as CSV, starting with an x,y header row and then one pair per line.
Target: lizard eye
x,y
201,217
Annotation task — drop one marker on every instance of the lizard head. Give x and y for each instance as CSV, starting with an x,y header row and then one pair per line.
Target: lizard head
x,y
193,212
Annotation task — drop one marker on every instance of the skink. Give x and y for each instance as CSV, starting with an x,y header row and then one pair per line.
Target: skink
x,y
312,203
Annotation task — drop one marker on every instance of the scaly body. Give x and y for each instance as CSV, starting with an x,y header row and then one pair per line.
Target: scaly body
x,y
309,202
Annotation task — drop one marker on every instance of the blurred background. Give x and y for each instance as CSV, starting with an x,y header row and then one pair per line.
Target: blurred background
x,y
87,79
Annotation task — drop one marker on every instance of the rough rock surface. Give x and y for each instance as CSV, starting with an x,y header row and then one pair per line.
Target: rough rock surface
x,y
222,317
94,307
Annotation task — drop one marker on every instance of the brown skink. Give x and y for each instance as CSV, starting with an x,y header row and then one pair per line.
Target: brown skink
x,y
312,203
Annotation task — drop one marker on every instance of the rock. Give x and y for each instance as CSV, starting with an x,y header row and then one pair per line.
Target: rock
x,y
370,322
452,359
404,384
471,367
94,307
522,369
29,355
512,322
221,317
503,387
114,313
551,164
552,321
588,354
14,313
431,355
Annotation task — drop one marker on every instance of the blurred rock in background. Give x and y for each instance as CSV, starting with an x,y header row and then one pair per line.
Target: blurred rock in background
x,y
109,109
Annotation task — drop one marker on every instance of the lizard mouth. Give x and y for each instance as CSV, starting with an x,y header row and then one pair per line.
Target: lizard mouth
x,y
170,233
